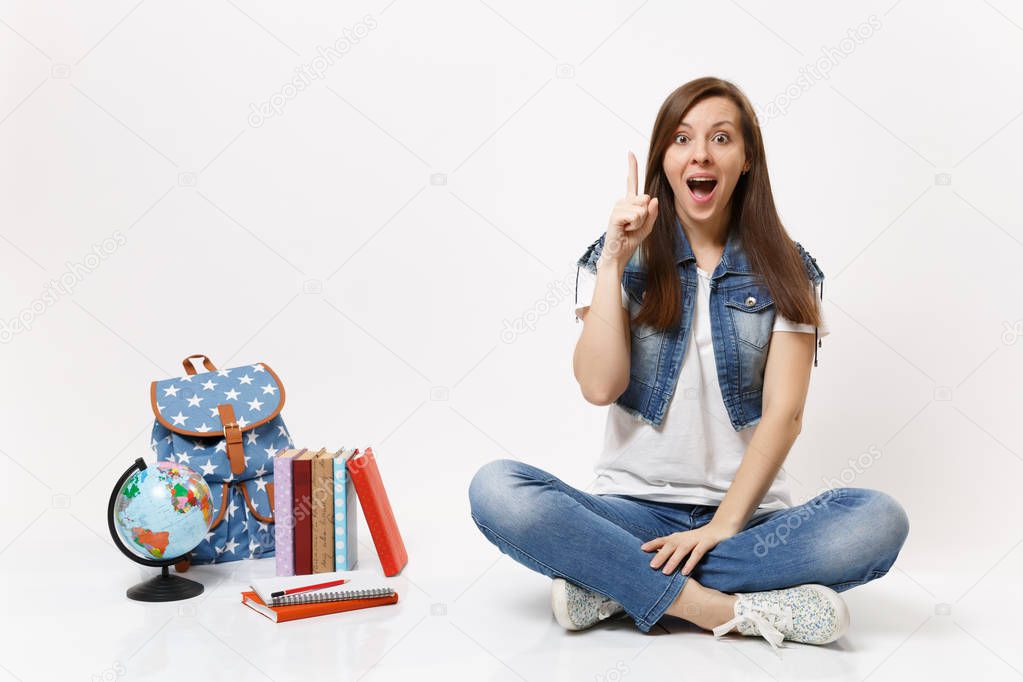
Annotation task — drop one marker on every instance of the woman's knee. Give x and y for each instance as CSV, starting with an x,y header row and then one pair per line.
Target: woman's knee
x,y
882,517
862,537
892,521
490,488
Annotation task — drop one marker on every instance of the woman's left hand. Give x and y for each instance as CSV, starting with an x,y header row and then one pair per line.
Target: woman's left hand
x,y
676,546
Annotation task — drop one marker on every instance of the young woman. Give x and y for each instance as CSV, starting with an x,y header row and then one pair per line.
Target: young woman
x,y
700,320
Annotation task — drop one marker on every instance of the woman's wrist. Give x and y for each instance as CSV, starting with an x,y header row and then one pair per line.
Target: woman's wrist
x,y
611,264
727,525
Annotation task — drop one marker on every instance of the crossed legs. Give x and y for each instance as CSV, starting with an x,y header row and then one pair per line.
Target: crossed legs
x,y
842,538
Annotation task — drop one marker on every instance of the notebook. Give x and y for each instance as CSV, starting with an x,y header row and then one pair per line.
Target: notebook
x,y
364,589
360,584
281,614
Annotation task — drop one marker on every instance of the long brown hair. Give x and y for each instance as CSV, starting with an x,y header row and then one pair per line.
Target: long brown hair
x,y
771,252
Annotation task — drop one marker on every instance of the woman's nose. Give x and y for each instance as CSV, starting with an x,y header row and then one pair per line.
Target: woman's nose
x,y
700,153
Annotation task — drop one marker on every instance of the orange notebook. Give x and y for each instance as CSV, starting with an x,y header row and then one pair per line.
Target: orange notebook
x,y
281,614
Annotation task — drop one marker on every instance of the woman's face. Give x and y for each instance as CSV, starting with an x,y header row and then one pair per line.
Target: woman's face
x,y
707,144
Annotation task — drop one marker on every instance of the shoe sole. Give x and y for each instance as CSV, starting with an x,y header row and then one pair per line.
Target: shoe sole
x,y
559,604
841,611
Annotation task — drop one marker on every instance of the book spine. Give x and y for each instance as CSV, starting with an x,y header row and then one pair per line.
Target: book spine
x,y
323,515
301,476
284,517
351,523
379,515
340,515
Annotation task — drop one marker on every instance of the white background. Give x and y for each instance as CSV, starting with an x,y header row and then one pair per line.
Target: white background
x,y
370,241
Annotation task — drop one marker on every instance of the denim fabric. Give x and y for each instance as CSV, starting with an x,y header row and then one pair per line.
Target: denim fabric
x,y
741,320
188,431
842,538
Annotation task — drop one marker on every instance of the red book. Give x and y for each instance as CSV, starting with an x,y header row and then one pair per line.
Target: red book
x,y
302,500
369,488
281,614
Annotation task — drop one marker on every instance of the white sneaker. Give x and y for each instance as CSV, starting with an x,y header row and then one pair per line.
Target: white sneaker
x,y
576,608
812,614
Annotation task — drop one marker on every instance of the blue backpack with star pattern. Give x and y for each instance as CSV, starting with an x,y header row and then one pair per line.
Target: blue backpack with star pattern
x,y
226,424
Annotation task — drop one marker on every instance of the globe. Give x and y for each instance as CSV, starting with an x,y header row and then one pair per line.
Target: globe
x,y
162,511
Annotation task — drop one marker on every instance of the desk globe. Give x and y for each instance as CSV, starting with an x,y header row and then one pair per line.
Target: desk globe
x,y
156,515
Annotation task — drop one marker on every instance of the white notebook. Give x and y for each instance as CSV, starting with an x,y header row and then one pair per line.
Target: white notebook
x,y
360,585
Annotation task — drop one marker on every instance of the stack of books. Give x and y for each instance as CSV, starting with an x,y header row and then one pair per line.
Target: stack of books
x,y
291,598
314,512
315,520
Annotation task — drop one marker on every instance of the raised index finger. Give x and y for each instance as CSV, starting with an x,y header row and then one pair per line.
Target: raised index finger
x,y
632,184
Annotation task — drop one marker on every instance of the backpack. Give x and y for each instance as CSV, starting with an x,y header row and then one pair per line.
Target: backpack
x,y
225,424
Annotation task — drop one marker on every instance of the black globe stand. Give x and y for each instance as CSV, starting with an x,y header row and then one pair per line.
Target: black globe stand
x,y
163,587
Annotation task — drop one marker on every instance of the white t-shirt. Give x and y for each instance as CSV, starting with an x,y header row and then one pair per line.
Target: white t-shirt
x,y
695,453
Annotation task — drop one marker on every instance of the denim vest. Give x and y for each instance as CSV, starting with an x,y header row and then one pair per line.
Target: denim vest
x,y
741,321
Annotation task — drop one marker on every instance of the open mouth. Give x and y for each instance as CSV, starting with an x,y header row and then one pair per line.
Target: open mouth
x,y
701,189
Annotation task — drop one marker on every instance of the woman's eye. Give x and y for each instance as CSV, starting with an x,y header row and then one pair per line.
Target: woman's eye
x,y
720,138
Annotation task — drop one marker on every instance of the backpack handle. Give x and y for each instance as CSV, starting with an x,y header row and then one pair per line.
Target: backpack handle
x,y
190,368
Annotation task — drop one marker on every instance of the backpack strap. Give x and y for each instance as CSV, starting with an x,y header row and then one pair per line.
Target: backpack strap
x,y
233,438
224,503
206,362
252,507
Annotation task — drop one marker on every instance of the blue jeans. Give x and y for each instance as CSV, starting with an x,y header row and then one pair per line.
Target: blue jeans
x,y
842,538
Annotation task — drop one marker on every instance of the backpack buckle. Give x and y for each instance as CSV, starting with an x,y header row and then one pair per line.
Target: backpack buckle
x,y
232,433
232,438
